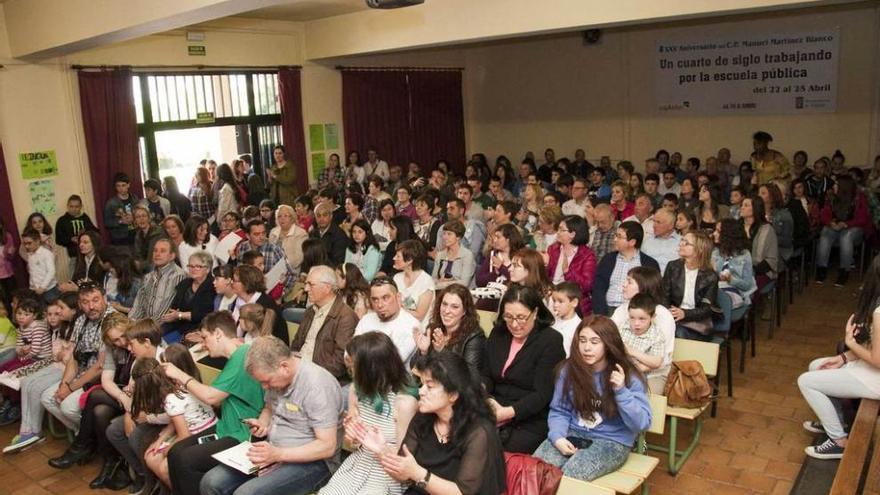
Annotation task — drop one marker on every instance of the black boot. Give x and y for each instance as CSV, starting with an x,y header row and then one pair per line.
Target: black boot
x,y
74,454
119,479
821,274
107,470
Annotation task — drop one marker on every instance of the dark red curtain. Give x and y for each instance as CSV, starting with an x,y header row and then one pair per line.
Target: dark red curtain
x,y
7,214
437,118
110,127
407,115
292,129
375,112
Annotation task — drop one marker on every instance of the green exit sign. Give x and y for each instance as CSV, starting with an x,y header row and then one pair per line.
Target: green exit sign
x,y
205,118
196,50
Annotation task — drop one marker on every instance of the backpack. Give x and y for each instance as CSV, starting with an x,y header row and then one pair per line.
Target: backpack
x,y
687,385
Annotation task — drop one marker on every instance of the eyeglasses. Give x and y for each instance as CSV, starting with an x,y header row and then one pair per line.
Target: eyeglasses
x,y
519,320
196,266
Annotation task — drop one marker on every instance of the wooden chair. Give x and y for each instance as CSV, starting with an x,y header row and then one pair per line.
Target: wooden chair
x,y
707,354
487,320
209,374
292,328
864,432
634,472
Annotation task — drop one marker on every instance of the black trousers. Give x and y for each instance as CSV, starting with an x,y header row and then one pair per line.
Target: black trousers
x,y
188,461
514,438
99,412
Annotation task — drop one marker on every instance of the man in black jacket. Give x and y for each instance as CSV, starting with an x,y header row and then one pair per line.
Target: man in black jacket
x,y
613,268
70,226
334,239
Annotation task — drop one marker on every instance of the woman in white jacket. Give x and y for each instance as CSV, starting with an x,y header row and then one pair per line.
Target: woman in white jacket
x,y
228,199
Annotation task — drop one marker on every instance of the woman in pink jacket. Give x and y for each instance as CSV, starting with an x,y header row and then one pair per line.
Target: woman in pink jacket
x,y
571,259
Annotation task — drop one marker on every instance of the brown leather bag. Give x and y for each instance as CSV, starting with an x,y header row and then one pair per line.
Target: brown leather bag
x,y
687,385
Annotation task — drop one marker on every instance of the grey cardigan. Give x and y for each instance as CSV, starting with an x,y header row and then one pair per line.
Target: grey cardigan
x,y
765,247
463,268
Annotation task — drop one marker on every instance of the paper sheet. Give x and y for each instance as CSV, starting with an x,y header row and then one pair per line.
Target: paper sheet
x,y
276,274
236,458
223,247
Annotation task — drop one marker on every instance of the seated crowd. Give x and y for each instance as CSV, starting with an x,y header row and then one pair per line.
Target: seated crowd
x,y
592,272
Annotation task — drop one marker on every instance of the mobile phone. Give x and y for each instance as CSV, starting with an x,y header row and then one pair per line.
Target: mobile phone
x,y
580,443
26,341
207,438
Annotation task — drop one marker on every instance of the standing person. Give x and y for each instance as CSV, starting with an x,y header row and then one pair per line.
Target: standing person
x,y
374,165
7,271
228,196
118,212
283,186
384,406
571,259
846,222
300,420
768,164
68,228
599,405
201,195
180,204
690,287
522,352
146,235
158,206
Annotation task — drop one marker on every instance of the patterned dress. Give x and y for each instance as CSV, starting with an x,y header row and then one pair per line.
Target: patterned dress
x,y
362,472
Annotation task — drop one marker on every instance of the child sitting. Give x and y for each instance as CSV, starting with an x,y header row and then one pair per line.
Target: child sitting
x,y
155,393
644,342
255,321
565,299
7,337
33,343
599,405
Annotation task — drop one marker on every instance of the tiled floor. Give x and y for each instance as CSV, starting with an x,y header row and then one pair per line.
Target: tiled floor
x,y
754,445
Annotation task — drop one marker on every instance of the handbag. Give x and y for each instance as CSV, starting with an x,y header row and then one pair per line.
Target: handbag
x,y
687,385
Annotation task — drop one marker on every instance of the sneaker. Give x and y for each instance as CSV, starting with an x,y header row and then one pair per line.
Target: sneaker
x,y
12,415
842,277
137,485
813,427
825,450
22,441
4,408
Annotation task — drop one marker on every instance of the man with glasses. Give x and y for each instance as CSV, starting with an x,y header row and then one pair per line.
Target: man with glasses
x,y
578,201
159,286
612,270
663,245
388,317
602,238
193,299
332,237
327,325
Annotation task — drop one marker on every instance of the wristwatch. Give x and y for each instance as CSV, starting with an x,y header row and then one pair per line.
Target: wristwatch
x,y
423,484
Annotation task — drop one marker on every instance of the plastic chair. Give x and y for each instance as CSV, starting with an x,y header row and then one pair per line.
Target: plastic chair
x,y
487,320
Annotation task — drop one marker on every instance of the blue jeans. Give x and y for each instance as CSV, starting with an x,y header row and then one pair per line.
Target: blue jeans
x,y
848,239
599,459
287,479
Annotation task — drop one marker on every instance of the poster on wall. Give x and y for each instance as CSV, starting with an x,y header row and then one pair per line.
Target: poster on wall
x,y
316,137
42,194
319,163
331,136
37,164
748,74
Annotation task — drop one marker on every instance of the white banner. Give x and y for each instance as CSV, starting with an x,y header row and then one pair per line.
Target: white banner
x,y
774,73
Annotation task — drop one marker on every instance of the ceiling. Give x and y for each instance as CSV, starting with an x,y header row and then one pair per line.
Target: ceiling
x,y
307,10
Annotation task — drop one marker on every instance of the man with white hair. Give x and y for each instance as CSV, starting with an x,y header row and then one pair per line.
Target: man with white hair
x,y
643,213
327,325
663,245
602,238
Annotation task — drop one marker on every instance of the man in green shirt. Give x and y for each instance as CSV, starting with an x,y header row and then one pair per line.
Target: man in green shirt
x,y
234,390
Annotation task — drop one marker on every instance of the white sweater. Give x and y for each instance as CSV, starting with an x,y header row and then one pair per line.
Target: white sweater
x,y
41,268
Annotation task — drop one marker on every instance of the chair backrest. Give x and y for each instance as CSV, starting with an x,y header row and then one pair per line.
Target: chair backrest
x,y
658,413
694,350
487,320
721,323
292,329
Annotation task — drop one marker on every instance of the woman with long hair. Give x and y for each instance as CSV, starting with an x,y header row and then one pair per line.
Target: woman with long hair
x,y
180,204
255,321
363,250
455,327
571,259
89,265
495,267
384,402
690,287
400,230
599,407
121,279
229,197
732,259
282,178
353,288
201,194
382,225
527,268
765,248
779,218
415,284
533,201
800,194
846,223
451,445
355,171
522,352
197,237
688,199
622,205
709,211
852,374
685,221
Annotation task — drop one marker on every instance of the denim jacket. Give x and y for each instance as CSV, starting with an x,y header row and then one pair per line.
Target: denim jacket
x,y
742,274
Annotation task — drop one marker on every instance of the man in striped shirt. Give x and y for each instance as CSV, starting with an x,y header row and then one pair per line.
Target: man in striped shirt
x,y
158,288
